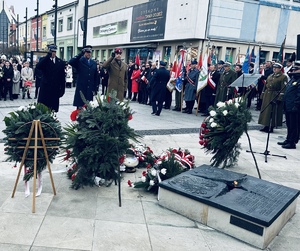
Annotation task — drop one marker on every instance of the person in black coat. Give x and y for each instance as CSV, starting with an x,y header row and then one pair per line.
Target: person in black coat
x,y
38,75
87,76
158,87
8,75
104,80
291,106
53,82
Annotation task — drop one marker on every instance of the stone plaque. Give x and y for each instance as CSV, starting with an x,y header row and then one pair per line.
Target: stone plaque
x,y
245,196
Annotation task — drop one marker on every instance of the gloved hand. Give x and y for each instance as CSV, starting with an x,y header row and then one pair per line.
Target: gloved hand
x,y
113,54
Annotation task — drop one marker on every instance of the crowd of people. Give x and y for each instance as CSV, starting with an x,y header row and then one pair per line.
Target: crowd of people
x,y
276,92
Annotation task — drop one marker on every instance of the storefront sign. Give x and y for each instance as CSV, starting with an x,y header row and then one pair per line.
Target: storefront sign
x,y
148,21
110,29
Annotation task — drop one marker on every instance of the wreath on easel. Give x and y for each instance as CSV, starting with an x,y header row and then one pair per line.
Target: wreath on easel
x,y
18,125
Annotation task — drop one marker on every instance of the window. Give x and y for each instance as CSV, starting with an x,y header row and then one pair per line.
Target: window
x,y
60,25
44,32
70,23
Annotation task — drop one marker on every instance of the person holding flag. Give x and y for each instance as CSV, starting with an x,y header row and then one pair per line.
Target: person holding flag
x,y
190,90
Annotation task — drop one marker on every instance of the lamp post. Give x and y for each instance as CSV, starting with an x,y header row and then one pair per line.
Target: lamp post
x,y
25,30
17,39
55,20
85,16
37,25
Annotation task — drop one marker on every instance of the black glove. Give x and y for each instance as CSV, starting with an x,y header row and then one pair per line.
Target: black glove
x,y
113,54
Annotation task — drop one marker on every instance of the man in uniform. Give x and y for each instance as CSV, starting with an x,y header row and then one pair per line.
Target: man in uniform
x,y
226,79
158,85
291,106
118,73
53,82
191,82
87,76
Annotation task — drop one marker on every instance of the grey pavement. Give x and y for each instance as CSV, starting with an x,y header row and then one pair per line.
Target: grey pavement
x,y
91,219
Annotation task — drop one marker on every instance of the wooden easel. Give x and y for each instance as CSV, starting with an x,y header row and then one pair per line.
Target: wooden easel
x,y
35,127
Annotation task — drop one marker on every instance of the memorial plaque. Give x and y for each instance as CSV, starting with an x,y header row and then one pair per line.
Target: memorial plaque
x,y
245,196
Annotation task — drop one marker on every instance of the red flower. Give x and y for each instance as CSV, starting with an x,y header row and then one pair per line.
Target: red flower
x,y
148,166
69,170
74,166
130,117
108,99
201,142
121,159
144,173
73,176
74,115
174,150
129,183
203,125
201,136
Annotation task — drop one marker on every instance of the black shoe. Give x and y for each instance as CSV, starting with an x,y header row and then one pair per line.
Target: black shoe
x,y
189,112
282,143
289,146
29,97
185,111
157,114
176,109
265,129
184,108
12,99
153,113
4,99
205,115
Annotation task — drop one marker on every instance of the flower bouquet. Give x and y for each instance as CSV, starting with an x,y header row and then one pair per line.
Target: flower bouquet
x,y
169,164
97,136
18,125
221,130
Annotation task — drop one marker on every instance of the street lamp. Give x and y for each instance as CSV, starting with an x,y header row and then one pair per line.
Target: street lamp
x,y
55,21
86,6
25,30
37,25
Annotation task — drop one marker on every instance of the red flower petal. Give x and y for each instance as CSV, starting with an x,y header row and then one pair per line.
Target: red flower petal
x,y
130,117
129,183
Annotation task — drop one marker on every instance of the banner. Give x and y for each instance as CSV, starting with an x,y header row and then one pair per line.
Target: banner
x,y
148,21
110,29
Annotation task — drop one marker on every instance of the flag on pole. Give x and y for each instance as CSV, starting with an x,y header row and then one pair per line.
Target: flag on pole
x,y
256,64
202,80
166,58
280,57
252,56
237,60
245,67
174,67
200,61
230,56
213,56
180,72
137,58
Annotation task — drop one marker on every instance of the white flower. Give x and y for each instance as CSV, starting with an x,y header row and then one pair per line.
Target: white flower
x,y
32,107
163,171
153,172
220,104
143,178
94,103
158,162
213,124
21,108
212,113
237,105
211,120
225,112
151,182
229,102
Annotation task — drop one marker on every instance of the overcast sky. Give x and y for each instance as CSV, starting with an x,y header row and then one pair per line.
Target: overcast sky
x,y
44,5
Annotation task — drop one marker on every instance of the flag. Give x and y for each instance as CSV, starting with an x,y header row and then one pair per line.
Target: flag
x,y
202,80
174,67
245,67
166,58
180,72
280,57
256,64
147,59
251,56
213,56
137,58
200,61
210,81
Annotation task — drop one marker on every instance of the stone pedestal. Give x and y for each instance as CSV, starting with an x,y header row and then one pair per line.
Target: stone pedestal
x,y
239,205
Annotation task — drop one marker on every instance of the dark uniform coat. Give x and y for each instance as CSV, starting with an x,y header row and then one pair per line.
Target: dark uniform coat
x,y
226,79
118,76
158,84
275,83
191,84
87,79
53,81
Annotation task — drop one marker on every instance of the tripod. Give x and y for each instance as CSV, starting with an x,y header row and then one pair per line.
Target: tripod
x,y
274,105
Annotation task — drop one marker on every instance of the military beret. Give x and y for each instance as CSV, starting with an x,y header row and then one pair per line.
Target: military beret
x,y
162,63
194,62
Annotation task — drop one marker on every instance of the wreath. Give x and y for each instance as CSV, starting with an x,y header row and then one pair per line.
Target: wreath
x,y
221,130
18,125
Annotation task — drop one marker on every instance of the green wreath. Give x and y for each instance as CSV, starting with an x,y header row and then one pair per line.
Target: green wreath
x,y
18,125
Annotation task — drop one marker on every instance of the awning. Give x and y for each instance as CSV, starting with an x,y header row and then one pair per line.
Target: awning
x,y
152,45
